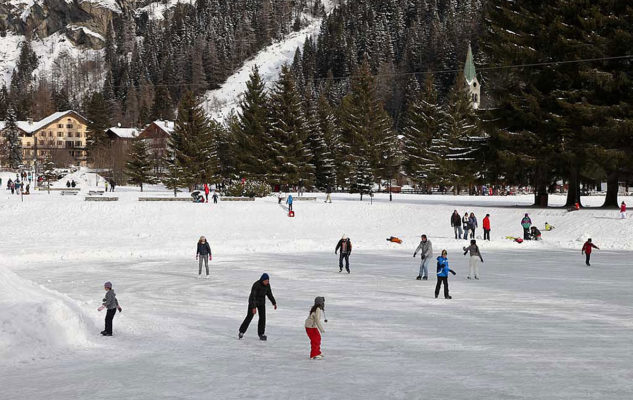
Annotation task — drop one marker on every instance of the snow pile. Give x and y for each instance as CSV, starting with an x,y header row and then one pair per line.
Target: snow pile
x,y
83,178
38,323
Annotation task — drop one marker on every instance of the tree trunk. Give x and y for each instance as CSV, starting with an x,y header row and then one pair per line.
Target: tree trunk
x,y
611,200
540,189
573,192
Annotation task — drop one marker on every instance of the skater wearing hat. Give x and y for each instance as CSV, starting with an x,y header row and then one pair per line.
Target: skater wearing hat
x,y
203,253
112,305
314,328
442,275
345,245
257,303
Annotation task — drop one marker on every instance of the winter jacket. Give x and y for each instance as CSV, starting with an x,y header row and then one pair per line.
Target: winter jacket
x,y
465,222
472,222
259,292
314,320
109,301
455,220
289,199
425,249
587,247
474,251
526,222
623,207
487,223
345,249
442,267
206,189
203,249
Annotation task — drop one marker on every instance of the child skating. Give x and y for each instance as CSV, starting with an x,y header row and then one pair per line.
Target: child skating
x,y
112,305
442,274
314,328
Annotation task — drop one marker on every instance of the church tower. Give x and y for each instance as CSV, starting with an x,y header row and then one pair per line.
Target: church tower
x,y
470,77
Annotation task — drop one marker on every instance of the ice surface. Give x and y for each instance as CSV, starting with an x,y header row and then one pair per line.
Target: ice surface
x,y
538,325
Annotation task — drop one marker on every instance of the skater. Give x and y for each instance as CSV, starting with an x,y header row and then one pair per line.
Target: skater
x,y
289,202
487,227
456,223
345,245
215,197
206,193
203,253
472,223
257,303
466,225
314,328
475,257
279,198
623,210
535,233
426,251
442,274
526,222
586,249
112,305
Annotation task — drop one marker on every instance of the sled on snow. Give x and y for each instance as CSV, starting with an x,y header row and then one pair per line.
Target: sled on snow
x,y
394,239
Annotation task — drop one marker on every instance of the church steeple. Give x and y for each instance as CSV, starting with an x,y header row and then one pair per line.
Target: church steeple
x,y
470,76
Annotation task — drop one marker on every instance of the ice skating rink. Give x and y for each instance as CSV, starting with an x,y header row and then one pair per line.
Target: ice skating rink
x,y
538,325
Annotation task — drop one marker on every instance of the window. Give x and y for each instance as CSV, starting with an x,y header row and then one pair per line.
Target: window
x,y
50,134
78,144
51,142
70,126
60,134
60,126
60,143
40,142
28,144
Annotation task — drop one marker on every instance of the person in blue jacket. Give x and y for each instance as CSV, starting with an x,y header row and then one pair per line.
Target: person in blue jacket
x,y
442,274
289,202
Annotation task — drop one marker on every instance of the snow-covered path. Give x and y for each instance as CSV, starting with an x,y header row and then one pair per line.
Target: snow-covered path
x,y
538,325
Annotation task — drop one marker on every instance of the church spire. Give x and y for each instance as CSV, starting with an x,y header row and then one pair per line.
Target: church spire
x,y
469,67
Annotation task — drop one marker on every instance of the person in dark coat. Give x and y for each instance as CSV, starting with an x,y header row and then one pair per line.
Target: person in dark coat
x,y
203,254
345,245
456,223
257,303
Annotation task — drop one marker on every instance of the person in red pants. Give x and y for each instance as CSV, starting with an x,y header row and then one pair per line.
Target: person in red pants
x,y
314,328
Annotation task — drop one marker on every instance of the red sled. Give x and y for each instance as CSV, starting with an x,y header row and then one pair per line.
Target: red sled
x,y
291,214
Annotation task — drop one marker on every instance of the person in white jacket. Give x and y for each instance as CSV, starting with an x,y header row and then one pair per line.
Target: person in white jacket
x,y
314,328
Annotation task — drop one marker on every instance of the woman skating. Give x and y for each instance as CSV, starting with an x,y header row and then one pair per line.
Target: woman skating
x,y
203,253
314,328
442,275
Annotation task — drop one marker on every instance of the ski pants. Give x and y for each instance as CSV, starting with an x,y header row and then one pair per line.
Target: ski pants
x,y
587,257
261,325
343,256
458,231
424,267
526,233
315,341
472,233
289,206
486,234
202,258
474,266
440,280
108,320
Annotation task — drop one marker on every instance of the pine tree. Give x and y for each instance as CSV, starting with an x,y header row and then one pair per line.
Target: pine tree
x,y
362,178
337,148
49,173
97,114
162,106
322,159
12,144
193,143
253,159
288,134
139,167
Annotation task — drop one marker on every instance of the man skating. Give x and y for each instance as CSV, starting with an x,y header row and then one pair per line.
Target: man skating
x,y
426,252
257,303
345,245
586,249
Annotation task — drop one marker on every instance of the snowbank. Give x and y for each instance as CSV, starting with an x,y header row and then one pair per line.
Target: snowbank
x,y
38,323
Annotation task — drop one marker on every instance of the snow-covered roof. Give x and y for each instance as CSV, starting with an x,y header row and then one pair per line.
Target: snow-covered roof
x,y
167,126
33,126
124,133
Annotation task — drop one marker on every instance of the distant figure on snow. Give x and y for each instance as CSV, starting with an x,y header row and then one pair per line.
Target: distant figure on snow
x,y
106,185
466,225
472,223
257,303
548,227
345,245
475,257
314,328
328,195
67,184
623,210
586,249
486,223
206,193
426,252
289,202
112,305
215,197
526,222
456,223
73,183
535,234
203,253
442,274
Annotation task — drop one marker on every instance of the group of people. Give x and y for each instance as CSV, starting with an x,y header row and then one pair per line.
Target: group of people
x,y
466,226
16,187
71,183
214,196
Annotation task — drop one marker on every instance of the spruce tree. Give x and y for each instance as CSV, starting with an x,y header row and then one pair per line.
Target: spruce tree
x,y
98,117
287,127
337,148
12,144
139,167
322,158
362,177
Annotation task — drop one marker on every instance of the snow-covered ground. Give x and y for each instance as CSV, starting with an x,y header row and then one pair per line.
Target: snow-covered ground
x,y
538,325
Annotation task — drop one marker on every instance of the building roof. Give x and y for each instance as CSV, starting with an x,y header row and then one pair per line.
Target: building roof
x,y
124,133
167,126
469,67
30,127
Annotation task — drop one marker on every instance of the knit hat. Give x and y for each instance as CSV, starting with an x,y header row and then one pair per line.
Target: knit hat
x,y
319,301
264,277
108,284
